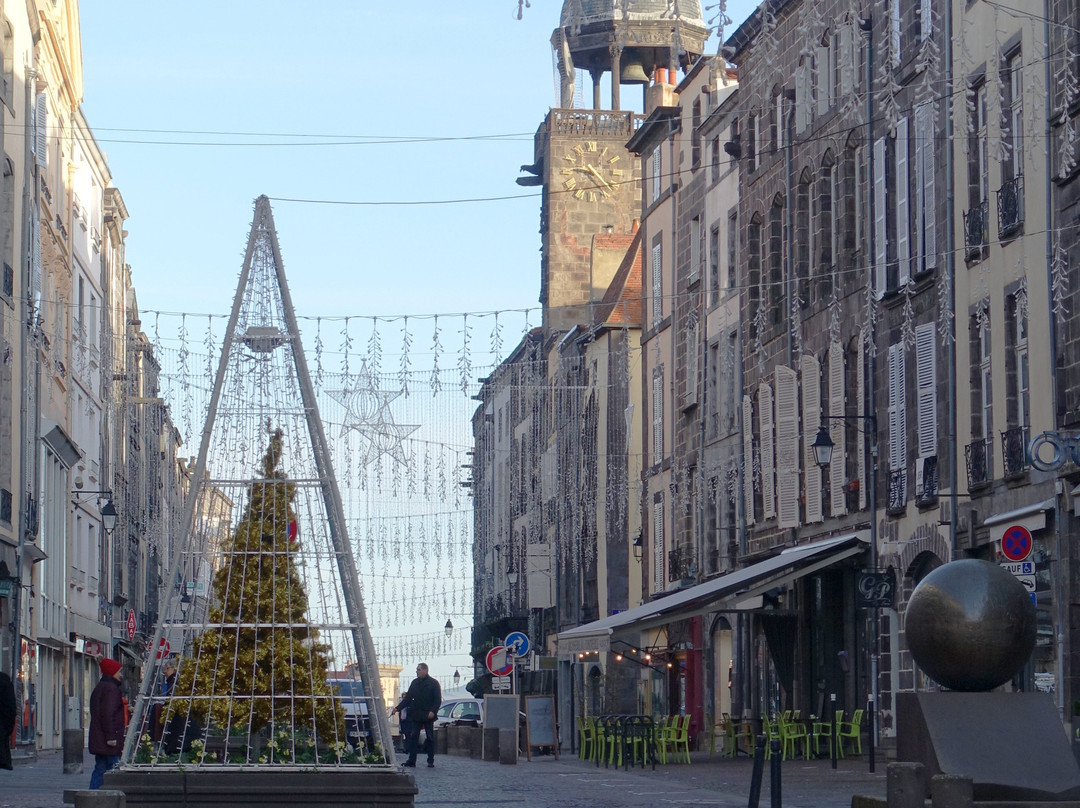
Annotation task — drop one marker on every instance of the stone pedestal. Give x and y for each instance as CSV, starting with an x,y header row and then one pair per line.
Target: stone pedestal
x,y
325,788
1011,745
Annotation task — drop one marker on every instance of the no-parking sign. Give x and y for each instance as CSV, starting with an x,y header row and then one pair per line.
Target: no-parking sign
x,y
499,662
1016,543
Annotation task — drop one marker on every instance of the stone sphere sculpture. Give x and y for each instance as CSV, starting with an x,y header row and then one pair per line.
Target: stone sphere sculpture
x,y
970,625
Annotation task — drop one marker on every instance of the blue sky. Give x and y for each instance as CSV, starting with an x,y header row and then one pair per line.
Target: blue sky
x,y
355,73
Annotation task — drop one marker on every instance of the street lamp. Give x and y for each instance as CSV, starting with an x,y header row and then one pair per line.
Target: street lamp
x,y
105,506
511,573
457,678
823,448
108,517
449,628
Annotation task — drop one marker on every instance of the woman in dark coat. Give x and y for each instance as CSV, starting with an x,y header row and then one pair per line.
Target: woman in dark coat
x,y
106,721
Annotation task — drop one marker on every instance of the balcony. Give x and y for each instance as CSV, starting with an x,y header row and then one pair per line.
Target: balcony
x,y
1010,207
897,492
977,230
978,454
1014,452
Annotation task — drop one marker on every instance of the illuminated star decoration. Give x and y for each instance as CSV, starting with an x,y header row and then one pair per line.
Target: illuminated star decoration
x,y
367,411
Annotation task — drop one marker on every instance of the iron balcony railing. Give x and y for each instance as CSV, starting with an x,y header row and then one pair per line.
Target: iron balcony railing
x,y
979,454
1011,206
1014,452
977,229
926,492
897,491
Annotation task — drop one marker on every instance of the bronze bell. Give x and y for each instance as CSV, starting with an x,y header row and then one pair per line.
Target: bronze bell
x,y
633,73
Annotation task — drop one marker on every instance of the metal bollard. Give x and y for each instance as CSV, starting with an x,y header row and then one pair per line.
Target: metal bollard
x,y
774,780
834,741
759,767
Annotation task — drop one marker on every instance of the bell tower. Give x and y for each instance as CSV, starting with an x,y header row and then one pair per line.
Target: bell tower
x,y
591,183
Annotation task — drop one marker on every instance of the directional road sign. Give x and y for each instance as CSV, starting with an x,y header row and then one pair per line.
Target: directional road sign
x,y
517,643
499,662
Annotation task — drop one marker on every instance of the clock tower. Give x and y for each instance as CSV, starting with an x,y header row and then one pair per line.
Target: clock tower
x,y
591,183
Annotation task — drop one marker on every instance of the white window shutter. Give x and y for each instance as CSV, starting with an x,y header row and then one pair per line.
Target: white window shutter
x,y
860,442
928,211
897,409
748,458
926,380
768,479
693,348
41,131
787,447
656,173
823,91
811,419
658,546
920,213
35,253
926,19
846,58
880,243
838,466
894,31
657,283
658,418
802,95
903,208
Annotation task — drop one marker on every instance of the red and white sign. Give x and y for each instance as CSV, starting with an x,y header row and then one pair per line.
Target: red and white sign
x,y
163,648
499,661
93,648
1016,543
131,625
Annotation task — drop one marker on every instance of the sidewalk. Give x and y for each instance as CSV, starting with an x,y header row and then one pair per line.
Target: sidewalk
x,y
549,783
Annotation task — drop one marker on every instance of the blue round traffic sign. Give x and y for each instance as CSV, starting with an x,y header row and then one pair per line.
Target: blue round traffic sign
x,y
1016,543
517,643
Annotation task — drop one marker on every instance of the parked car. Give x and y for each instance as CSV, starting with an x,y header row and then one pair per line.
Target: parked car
x,y
465,712
357,722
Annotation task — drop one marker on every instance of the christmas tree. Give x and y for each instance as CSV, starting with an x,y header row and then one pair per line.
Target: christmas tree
x,y
264,664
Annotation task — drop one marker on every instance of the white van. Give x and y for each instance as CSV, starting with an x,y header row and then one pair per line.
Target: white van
x,y
357,723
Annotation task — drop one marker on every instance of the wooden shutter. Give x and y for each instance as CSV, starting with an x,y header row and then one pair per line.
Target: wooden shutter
x,y
811,419
823,90
657,418
924,126
860,442
787,447
880,243
926,381
846,58
768,480
894,31
897,409
838,467
657,282
748,458
658,546
803,100
903,209
41,131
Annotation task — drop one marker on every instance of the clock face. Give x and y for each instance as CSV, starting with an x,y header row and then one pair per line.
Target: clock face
x,y
591,172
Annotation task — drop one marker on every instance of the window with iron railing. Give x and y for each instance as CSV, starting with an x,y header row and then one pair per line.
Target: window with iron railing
x,y
926,484
1010,206
1014,452
978,455
897,491
681,563
976,230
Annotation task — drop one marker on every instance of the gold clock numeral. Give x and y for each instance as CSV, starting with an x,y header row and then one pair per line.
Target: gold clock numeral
x,y
580,150
570,184
616,172
579,194
614,159
566,172
590,145
569,158
603,153
592,196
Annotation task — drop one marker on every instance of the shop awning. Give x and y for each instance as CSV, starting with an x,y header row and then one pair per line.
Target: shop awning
x,y
1033,516
736,591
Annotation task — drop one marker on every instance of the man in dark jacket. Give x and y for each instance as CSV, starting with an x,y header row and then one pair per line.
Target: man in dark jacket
x,y
106,721
421,702
7,719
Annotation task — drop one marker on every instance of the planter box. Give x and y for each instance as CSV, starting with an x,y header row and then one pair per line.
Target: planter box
x,y
333,788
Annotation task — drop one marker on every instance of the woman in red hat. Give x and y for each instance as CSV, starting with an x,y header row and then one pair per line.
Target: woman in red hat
x,y
106,721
